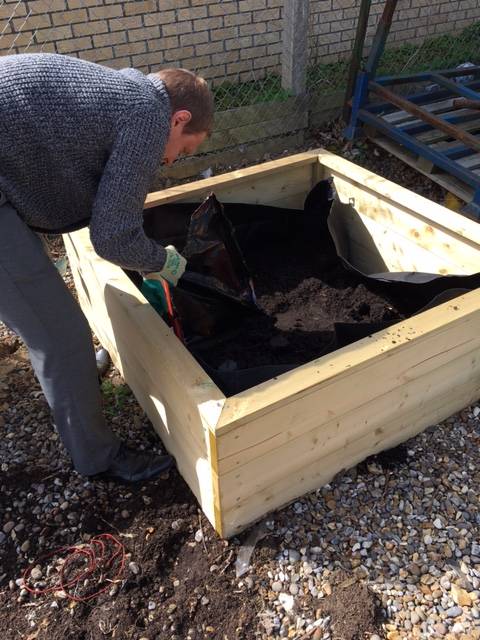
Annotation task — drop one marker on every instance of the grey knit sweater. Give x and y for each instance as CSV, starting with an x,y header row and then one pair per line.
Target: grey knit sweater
x,y
79,144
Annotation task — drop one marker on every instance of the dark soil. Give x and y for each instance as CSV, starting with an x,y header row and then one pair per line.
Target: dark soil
x,y
191,583
301,296
159,535
390,459
9,346
363,608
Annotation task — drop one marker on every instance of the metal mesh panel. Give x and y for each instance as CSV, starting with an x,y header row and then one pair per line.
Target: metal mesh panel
x,y
436,52
17,31
7,26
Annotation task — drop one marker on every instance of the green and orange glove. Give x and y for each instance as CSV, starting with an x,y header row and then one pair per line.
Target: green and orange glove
x,y
172,270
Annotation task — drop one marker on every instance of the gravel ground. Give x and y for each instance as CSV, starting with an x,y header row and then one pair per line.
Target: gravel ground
x,y
389,549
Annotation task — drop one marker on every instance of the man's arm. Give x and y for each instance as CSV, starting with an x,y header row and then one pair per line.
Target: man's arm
x,y
116,226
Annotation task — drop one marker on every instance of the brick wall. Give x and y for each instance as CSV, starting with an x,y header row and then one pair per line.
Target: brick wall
x,y
333,22
222,39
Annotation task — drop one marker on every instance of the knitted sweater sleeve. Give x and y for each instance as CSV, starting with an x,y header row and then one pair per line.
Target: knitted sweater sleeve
x,y
116,225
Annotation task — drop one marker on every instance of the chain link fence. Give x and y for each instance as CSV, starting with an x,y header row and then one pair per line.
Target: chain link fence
x,y
278,68
434,53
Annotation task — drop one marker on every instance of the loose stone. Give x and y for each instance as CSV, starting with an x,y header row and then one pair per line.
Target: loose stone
x,y
440,629
454,612
293,555
8,527
36,573
460,596
445,583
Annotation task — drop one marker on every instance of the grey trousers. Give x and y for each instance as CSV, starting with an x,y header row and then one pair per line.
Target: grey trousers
x,y
36,304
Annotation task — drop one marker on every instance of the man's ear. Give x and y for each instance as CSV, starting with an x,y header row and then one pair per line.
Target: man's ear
x,y
181,117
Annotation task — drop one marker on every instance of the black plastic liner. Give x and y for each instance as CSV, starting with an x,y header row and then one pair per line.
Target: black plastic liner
x,y
214,258
209,309
216,289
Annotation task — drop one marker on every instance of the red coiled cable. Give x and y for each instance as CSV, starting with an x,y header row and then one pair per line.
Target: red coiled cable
x,y
99,560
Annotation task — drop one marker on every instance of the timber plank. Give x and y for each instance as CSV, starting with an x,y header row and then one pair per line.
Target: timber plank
x,y
179,398
322,470
443,179
352,418
236,180
252,132
470,162
391,193
401,117
436,135
412,244
187,167
255,113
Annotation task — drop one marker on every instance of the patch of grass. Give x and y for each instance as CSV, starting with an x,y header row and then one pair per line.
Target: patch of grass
x,y
230,95
327,78
115,397
442,52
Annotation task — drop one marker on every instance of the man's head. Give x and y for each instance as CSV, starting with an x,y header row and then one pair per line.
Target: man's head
x,y
192,107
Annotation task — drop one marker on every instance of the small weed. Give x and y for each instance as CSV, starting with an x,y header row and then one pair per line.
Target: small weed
x,y
115,397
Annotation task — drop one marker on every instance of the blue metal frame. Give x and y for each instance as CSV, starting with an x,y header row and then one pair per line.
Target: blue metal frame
x,y
419,98
365,113
354,129
420,148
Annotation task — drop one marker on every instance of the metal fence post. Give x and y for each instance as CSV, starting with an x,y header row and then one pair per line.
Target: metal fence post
x,y
295,50
357,53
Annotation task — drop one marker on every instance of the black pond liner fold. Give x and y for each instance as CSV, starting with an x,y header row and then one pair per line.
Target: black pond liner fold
x,y
215,293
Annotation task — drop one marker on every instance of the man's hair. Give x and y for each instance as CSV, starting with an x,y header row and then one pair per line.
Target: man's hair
x,y
190,92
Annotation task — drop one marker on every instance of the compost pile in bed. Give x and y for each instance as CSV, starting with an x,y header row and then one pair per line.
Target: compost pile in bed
x,y
308,303
311,294
302,296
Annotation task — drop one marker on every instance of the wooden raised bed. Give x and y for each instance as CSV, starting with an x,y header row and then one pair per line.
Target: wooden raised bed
x,y
248,454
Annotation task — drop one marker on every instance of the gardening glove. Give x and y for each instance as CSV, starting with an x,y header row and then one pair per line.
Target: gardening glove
x,y
173,269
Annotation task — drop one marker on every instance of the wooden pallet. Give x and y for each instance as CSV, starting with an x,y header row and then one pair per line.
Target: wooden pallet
x,y
442,178
247,454
437,140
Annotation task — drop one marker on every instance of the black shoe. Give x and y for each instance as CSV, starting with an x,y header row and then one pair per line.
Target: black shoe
x,y
137,466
